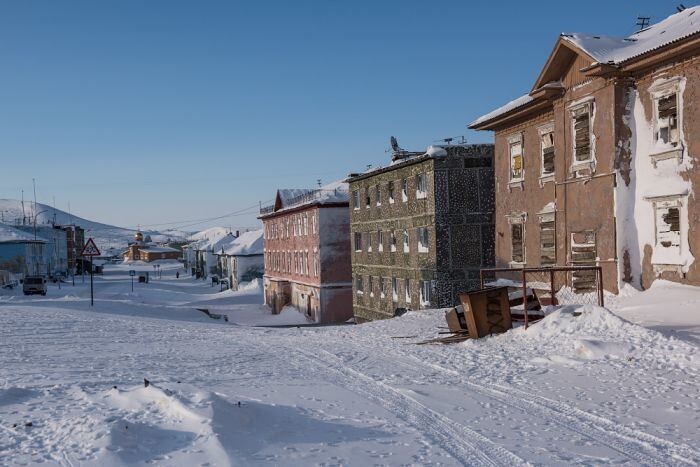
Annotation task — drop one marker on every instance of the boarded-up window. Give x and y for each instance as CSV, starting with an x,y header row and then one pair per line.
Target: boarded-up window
x,y
516,231
668,227
547,241
516,161
581,121
667,119
583,253
548,153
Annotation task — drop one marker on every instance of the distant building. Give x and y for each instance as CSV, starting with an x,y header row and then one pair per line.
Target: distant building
x,y
307,252
240,258
597,165
22,253
56,247
421,229
199,254
75,241
139,250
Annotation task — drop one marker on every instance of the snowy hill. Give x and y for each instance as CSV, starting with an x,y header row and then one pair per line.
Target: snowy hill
x,y
105,235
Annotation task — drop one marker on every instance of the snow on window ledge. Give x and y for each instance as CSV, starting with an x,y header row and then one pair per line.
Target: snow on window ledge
x,y
421,194
422,249
671,153
516,264
406,249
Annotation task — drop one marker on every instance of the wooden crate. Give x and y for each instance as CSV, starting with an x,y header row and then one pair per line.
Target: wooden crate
x,y
487,311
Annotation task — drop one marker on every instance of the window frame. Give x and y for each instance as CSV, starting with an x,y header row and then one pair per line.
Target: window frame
x,y
423,232
661,90
356,200
422,186
543,131
358,242
588,105
517,219
513,140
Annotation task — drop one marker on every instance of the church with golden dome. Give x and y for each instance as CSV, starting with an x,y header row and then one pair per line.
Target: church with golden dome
x,y
141,250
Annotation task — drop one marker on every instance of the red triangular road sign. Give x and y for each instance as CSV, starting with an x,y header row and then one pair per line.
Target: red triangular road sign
x,y
90,249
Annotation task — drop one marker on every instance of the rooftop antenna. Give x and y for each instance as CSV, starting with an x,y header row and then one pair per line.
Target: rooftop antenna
x,y
318,182
643,22
24,216
369,166
680,7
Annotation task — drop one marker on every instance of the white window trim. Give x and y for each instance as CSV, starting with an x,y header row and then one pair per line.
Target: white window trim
x,y
590,163
660,90
511,140
541,131
680,201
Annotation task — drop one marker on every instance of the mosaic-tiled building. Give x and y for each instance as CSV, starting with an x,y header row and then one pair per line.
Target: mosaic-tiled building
x,y
421,228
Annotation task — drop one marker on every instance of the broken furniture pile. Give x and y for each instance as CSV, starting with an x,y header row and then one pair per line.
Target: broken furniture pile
x,y
481,313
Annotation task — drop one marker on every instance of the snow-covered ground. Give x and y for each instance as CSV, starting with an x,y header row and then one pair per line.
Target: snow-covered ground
x,y
581,387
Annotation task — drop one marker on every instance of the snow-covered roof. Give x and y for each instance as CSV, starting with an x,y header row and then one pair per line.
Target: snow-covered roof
x,y
334,192
210,238
11,235
512,105
615,50
247,244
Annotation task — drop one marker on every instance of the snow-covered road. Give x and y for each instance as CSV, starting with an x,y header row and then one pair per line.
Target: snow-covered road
x,y
582,387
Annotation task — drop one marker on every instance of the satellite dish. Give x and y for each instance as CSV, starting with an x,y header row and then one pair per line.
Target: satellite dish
x,y
395,145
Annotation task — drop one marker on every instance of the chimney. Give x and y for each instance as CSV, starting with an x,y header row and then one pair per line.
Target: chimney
x,y
238,234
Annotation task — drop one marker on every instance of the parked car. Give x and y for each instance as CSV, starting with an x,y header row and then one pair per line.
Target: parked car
x,y
34,285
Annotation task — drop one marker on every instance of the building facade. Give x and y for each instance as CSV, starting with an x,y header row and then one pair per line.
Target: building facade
x,y
139,250
21,253
421,229
241,259
597,164
56,247
307,253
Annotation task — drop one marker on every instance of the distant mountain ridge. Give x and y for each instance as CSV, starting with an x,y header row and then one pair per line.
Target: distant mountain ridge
x,y
106,236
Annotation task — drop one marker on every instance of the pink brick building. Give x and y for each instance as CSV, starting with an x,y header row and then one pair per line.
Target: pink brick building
x,y
307,252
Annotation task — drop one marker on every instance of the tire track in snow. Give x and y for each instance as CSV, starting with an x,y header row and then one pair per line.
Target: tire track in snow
x,y
464,444
625,440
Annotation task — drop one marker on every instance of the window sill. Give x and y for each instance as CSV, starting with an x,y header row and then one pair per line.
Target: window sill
x,y
516,184
516,264
675,153
423,250
421,195
579,166
546,178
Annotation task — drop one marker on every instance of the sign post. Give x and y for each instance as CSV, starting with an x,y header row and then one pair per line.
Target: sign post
x,y
132,273
90,249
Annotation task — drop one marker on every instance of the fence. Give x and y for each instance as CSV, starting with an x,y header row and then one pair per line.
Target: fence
x,y
550,285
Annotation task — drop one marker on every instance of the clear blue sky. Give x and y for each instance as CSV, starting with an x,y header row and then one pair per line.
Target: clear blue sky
x,y
143,112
